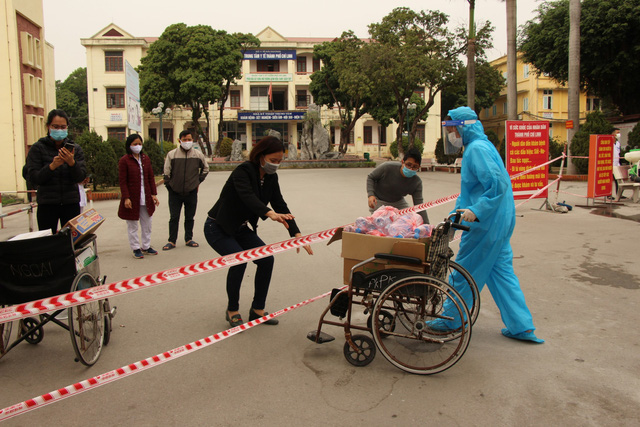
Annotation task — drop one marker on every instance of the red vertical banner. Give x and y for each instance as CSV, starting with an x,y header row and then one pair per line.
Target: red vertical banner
x,y
600,165
527,145
271,92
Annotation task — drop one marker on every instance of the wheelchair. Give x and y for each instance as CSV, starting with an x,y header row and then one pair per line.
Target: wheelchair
x,y
47,266
404,307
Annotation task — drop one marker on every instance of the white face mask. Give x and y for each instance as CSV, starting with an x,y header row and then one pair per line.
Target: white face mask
x,y
455,140
270,168
186,145
136,148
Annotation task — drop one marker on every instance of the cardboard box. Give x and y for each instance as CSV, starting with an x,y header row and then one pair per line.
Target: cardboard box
x,y
358,247
84,225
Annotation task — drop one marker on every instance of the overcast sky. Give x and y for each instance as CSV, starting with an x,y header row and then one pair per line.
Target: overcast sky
x,y
67,21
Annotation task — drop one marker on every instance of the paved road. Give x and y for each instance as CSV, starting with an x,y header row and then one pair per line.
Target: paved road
x,y
579,272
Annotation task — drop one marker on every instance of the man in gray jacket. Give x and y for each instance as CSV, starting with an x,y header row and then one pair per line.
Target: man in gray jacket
x,y
184,169
391,181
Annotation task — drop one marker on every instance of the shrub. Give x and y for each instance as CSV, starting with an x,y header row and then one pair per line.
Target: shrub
x,y
225,147
596,124
633,141
118,147
555,150
102,165
393,148
152,149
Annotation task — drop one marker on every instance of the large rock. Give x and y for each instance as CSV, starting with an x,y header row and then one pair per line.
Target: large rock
x,y
275,133
315,140
293,152
236,151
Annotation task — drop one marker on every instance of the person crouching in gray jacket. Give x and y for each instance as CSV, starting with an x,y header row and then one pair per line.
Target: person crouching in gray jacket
x,y
184,169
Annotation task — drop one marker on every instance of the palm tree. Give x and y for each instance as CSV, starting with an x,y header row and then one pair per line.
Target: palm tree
x,y
471,57
512,61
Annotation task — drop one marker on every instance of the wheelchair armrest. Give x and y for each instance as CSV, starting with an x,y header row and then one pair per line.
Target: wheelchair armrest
x,y
399,258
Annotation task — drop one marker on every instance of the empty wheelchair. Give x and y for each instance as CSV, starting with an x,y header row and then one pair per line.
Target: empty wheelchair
x,y
47,266
404,308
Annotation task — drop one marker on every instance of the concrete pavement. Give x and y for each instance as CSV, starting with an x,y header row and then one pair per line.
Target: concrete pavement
x,y
579,272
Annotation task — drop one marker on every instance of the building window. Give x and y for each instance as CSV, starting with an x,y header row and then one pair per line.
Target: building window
x,y
525,104
525,70
316,64
115,97
420,92
113,61
302,99
593,104
550,130
119,133
268,66
547,99
382,138
367,134
352,136
505,109
420,132
494,110
234,96
259,98
301,64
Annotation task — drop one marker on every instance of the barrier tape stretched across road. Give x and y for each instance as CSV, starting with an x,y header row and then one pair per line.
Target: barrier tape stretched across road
x,y
72,299
142,365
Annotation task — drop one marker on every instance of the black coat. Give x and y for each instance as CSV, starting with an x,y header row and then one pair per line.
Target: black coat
x,y
243,199
59,186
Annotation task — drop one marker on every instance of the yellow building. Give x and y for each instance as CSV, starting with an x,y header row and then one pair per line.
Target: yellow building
x,y
273,93
27,86
539,98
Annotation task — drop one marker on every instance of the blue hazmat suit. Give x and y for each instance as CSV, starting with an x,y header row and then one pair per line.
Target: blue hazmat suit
x,y
485,250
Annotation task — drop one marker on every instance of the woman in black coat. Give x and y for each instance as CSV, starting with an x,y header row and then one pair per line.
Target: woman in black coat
x,y
232,222
55,166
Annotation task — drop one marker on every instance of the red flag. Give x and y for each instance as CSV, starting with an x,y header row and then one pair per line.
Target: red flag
x,y
271,92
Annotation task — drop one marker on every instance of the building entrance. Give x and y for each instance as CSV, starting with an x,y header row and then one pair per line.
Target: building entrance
x,y
259,130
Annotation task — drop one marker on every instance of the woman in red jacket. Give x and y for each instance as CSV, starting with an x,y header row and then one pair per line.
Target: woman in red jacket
x,y
138,200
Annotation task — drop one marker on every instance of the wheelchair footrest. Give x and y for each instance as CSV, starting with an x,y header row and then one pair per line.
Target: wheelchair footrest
x,y
320,339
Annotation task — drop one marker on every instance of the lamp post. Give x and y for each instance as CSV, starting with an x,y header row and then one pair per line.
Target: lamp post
x,y
159,112
410,107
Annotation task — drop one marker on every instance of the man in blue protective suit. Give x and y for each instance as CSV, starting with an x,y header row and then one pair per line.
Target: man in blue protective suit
x,y
485,251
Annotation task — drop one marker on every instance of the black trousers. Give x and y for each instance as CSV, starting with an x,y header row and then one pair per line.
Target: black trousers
x,y
176,201
49,215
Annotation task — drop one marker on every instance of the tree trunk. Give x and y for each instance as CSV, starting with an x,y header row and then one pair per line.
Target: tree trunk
x,y
471,58
512,62
574,77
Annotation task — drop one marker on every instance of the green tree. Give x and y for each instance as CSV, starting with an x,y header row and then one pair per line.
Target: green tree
x,y
410,50
71,96
596,124
609,54
393,147
489,84
102,165
188,66
118,147
342,82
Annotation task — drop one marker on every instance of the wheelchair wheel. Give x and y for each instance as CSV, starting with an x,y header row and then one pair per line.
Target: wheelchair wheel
x,y
366,350
386,321
86,324
34,337
474,308
5,335
413,346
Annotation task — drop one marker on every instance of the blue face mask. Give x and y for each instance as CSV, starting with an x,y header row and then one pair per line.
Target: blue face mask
x,y
408,172
58,134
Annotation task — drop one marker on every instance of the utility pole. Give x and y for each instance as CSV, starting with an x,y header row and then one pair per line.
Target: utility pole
x,y
574,77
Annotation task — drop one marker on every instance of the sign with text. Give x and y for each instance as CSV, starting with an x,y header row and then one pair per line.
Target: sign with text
x,y
268,77
600,165
270,115
527,145
270,54
134,113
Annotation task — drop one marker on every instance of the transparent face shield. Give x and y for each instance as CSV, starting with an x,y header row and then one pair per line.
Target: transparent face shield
x,y
452,135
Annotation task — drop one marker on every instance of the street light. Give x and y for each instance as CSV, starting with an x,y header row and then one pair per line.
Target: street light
x,y
410,106
160,113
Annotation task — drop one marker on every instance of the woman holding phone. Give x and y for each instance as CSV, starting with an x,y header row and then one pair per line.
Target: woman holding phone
x,y
55,166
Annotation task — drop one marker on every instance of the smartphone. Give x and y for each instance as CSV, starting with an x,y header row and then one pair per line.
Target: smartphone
x,y
69,146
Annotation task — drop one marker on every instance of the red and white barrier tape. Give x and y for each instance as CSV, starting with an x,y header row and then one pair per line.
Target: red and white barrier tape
x,y
142,365
72,299
533,196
